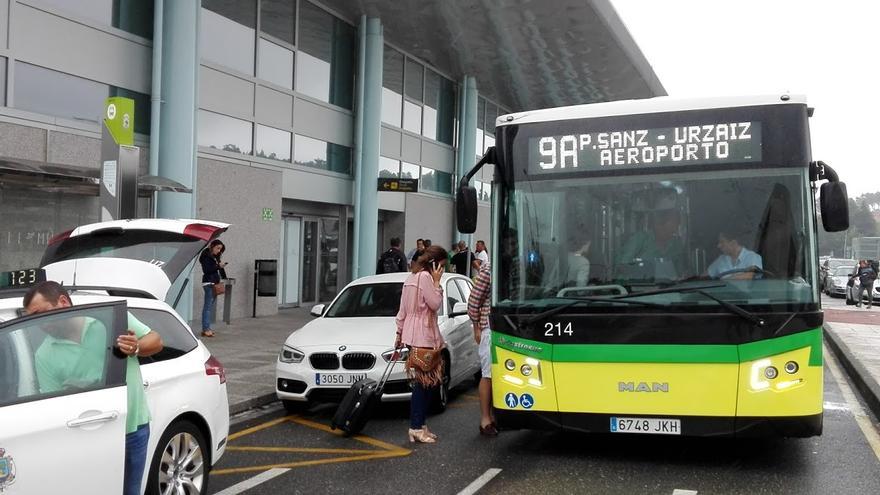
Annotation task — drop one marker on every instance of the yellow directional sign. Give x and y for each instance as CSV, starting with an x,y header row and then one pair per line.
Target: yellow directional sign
x,y
399,185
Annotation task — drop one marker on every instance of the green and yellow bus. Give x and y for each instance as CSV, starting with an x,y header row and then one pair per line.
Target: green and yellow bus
x,y
654,267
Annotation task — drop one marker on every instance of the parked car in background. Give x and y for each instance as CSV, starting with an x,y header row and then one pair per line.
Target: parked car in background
x,y
836,282
352,338
829,265
72,440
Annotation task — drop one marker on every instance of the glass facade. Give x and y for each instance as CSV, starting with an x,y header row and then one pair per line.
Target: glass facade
x,y
435,181
228,33
439,109
278,19
276,64
50,92
273,144
392,86
315,153
133,16
325,57
225,133
389,168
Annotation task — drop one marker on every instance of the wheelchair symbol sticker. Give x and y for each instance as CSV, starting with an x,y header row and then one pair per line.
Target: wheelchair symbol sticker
x,y
511,400
526,401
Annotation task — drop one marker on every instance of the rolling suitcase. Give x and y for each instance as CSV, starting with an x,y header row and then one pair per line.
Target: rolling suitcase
x,y
354,410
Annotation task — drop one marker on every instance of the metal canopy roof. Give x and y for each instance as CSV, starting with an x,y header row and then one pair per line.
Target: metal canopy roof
x,y
525,54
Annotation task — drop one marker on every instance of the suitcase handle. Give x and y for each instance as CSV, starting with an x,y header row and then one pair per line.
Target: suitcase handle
x,y
388,367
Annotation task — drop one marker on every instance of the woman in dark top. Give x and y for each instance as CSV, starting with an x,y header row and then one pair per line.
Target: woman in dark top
x,y
213,272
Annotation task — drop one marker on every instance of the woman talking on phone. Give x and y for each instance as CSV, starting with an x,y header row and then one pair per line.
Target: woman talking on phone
x,y
418,330
212,272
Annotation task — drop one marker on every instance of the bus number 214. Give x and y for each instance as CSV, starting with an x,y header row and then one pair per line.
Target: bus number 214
x,y
557,329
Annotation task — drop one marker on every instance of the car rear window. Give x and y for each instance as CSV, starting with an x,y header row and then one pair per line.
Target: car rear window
x,y
177,340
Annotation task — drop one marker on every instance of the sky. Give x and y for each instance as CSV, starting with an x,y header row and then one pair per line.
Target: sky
x,y
828,51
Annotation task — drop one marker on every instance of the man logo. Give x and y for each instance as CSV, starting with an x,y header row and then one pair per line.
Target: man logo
x,y
642,387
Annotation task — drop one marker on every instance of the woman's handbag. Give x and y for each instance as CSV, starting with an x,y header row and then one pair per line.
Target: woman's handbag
x,y
424,359
219,288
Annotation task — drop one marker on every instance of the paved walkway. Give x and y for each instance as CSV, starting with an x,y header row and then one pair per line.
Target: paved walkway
x,y
249,347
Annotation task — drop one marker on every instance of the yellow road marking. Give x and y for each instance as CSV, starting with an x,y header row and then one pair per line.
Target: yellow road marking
x,y
855,407
257,428
387,450
301,450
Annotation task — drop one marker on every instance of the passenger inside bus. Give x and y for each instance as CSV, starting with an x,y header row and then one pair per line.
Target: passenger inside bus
x,y
659,252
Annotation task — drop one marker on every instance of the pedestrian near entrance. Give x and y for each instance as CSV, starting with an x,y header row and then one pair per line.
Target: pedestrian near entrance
x,y
418,330
867,276
478,312
67,358
393,260
414,253
462,259
213,271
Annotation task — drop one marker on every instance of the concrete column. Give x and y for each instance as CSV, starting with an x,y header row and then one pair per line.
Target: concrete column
x,y
367,144
177,130
467,137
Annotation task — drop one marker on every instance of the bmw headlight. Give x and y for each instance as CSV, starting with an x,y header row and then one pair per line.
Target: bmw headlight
x,y
291,355
402,354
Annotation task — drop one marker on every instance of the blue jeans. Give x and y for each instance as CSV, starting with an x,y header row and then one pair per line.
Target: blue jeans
x,y
418,405
135,459
208,307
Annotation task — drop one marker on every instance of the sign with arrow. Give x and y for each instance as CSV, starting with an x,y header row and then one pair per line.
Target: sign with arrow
x,y
399,185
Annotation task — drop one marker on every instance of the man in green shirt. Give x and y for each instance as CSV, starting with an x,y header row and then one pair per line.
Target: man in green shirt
x,y
72,356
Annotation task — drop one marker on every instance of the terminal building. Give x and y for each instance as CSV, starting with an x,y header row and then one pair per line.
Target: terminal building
x,y
280,116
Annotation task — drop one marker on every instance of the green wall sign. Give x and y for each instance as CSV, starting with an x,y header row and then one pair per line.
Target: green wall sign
x,y
119,119
268,214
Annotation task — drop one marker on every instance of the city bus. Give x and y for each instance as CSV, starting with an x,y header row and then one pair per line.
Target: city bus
x,y
654,267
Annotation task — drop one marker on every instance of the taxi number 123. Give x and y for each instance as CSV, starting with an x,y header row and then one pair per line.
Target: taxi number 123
x,y
557,329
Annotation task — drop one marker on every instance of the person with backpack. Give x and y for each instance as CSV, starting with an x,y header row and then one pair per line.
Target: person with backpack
x,y
393,260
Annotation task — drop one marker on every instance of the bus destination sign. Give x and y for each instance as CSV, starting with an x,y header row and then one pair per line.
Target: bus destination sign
x,y
732,142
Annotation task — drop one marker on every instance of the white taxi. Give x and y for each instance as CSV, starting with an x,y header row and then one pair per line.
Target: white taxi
x,y
352,338
72,440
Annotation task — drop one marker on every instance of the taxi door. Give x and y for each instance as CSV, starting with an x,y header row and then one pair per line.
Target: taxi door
x,y
63,401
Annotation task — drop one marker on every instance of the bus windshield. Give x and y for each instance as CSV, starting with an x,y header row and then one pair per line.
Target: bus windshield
x,y
748,230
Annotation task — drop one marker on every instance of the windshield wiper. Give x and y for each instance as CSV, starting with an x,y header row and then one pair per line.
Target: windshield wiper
x,y
700,289
579,300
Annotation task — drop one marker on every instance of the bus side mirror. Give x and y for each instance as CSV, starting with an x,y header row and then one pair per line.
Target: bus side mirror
x,y
834,206
466,208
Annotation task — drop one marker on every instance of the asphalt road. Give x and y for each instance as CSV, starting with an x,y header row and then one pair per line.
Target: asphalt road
x,y
273,453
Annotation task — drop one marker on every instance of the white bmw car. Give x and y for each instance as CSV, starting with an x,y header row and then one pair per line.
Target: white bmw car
x,y
72,440
352,338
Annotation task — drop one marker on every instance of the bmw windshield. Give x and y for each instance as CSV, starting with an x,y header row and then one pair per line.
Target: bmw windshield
x,y
367,300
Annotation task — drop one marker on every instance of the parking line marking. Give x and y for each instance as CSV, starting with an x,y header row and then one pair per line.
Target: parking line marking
x,y
679,491
387,450
252,482
257,428
855,407
301,450
480,482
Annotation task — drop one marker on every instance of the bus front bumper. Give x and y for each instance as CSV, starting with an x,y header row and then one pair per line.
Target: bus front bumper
x,y
700,426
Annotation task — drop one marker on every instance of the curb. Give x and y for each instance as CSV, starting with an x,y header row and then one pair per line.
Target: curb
x,y
246,405
864,382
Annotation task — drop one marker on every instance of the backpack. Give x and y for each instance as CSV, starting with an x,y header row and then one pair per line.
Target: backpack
x,y
388,262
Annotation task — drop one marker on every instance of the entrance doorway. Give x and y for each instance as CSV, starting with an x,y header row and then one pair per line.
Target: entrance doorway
x,y
310,260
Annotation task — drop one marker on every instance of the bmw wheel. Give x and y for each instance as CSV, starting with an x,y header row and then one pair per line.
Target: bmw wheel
x,y
441,397
181,462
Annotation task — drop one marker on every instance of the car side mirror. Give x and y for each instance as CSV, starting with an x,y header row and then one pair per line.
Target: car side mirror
x,y
459,309
317,310
834,206
466,208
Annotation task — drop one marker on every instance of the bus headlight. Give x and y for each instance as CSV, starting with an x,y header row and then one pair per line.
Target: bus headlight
x,y
510,365
791,367
770,372
526,370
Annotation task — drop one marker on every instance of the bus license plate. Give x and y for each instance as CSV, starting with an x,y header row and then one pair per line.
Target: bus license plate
x,y
657,426
338,378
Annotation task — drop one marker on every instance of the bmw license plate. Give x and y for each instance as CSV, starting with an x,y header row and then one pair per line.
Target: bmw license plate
x,y
658,426
338,379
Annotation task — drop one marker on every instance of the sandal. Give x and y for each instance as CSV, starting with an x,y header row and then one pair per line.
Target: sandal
x,y
490,430
207,333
